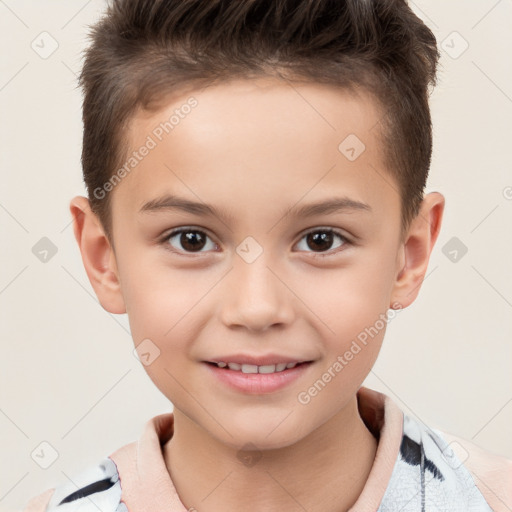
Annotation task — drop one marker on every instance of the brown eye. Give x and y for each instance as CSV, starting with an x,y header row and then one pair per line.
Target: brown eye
x,y
322,240
188,240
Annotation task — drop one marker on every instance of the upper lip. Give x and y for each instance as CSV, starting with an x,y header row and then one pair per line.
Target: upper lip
x,y
268,359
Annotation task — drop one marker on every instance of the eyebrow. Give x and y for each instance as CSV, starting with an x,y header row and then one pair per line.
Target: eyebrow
x,y
328,206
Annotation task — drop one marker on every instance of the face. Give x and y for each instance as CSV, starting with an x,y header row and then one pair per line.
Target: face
x,y
252,272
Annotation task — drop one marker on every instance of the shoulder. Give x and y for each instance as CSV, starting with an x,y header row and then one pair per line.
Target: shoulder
x,y
97,487
432,471
491,473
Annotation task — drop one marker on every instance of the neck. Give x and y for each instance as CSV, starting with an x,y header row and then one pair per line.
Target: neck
x,y
325,471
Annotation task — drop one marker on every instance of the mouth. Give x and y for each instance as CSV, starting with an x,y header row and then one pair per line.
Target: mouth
x,y
253,368
257,379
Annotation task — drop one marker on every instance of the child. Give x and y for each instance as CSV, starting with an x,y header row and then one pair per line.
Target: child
x,y
265,129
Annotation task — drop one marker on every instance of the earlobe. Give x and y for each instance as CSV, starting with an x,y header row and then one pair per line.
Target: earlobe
x,y
416,250
97,255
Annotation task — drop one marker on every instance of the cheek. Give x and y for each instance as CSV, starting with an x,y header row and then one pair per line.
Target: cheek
x,y
348,306
161,323
158,298
348,299
166,308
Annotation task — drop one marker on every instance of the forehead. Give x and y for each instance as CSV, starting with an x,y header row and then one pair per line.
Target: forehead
x,y
251,139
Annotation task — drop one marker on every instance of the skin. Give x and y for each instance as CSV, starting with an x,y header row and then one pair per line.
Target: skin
x,y
253,150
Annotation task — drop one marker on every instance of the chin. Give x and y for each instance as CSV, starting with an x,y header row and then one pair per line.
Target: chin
x,y
261,435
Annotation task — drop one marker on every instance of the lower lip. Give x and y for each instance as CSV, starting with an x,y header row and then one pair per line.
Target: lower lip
x,y
258,383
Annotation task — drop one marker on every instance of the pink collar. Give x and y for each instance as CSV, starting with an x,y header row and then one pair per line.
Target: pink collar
x,y
147,486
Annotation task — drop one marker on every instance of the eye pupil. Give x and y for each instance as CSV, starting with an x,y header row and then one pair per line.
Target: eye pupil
x,y
320,237
192,240
189,240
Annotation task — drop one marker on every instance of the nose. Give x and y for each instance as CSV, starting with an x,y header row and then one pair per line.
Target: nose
x,y
256,297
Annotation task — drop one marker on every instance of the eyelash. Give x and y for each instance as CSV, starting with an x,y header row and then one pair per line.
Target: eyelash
x,y
164,241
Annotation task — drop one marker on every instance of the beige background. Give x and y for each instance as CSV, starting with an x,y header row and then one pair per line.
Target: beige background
x,y
68,375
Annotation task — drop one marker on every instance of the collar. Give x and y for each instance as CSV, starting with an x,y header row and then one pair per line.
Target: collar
x,y
146,484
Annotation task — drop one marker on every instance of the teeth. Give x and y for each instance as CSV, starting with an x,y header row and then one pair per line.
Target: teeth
x,y
269,368
252,368
249,368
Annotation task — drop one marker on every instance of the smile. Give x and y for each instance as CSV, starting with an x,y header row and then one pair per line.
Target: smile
x,y
257,379
253,368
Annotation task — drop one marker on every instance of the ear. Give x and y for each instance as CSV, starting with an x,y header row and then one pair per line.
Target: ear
x,y
415,251
97,255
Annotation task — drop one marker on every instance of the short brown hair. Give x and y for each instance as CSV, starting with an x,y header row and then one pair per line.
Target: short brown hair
x,y
142,50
